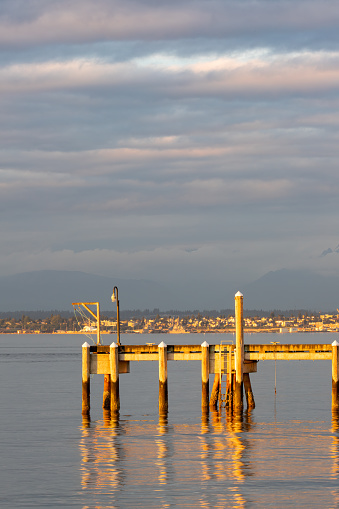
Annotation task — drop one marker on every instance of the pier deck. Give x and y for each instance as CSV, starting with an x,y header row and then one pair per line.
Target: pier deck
x,y
214,359
231,365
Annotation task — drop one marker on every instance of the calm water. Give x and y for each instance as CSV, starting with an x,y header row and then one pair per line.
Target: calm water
x,y
284,454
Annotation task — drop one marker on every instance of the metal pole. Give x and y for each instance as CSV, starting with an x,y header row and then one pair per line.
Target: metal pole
x,y
275,374
275,365
118,320
115,298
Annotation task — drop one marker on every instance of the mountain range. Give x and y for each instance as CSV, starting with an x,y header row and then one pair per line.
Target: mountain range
x,y
293,289
56,290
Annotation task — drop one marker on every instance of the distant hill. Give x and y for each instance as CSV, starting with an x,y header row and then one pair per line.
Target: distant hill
x,y
56,290
48,290
292,289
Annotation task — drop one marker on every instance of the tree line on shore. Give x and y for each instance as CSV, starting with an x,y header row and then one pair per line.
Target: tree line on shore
x,y
152,313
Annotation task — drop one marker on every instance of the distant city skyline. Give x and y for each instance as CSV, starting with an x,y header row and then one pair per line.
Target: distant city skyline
x,y
194,323
180,142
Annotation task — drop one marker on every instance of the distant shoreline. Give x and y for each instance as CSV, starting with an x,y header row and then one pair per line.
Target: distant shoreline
x,y
246,331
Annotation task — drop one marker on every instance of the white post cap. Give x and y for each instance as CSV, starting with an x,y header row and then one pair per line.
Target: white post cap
x,y
335,343
113,345
238,294
205,344
85,345
162,345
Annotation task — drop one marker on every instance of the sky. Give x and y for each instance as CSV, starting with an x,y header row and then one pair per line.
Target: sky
x,y
175,141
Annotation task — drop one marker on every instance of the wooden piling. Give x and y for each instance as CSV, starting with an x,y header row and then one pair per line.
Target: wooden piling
x,y
215,392
248,391
106,399
114,365
239,357
163,389
86,379
205,375
335,375
109,360
230,389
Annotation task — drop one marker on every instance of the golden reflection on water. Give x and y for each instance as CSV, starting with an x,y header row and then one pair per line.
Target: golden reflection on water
x,y
216,453
162,449
222,457
335,451
213,459
335,442
101,455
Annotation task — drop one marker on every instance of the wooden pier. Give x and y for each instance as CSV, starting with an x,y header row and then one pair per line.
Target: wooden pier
x,y
231,365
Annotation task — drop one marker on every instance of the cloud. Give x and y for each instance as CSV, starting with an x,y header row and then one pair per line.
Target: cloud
x,y
169,140
269,76
77,22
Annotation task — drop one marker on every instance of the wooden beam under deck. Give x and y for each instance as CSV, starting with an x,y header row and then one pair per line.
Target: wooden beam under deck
x,y
100,363
99,359
288,352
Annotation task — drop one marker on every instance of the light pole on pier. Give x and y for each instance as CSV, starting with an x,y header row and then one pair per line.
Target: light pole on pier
x,y
115,298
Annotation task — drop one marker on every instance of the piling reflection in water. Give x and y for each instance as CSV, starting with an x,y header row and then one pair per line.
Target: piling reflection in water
x,y
162,457
162,449
226,460
335,443
335,452
205,447
101,455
